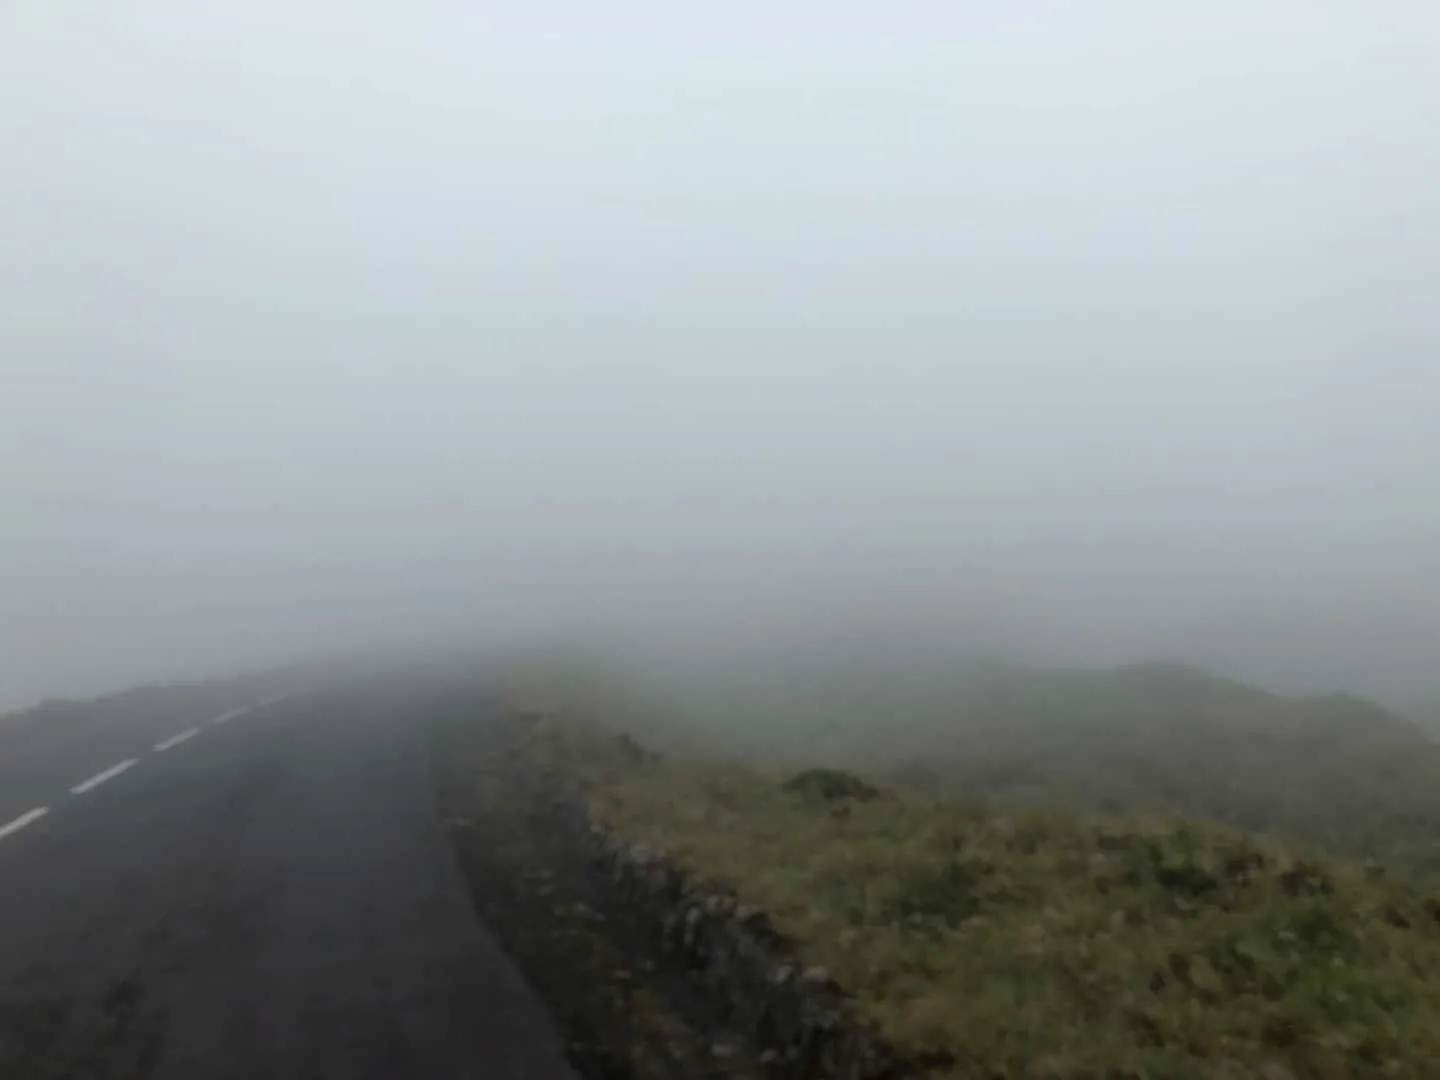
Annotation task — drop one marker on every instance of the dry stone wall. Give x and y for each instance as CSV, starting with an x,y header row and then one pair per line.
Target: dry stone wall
x,y
795,1017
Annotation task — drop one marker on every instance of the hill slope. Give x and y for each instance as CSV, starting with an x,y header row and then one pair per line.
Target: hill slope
x,y
1336,769
1036,945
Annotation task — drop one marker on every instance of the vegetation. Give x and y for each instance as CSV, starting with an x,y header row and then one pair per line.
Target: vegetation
x,y
1334,770
833,785
1009,944
1050,874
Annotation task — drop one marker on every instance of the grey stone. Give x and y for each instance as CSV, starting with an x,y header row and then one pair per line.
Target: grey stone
x,y
795,1018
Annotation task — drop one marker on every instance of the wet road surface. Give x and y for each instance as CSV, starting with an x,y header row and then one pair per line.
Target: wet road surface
x,y
252,893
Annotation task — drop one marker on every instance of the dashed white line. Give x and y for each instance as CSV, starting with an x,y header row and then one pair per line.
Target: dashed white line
x,y
115,770
24,819
100,778
176,740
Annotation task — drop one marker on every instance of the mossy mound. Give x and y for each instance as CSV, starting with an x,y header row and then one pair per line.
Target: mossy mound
x,y
831,785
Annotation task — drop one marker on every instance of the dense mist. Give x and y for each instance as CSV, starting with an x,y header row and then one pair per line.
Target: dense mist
x,y
1065,332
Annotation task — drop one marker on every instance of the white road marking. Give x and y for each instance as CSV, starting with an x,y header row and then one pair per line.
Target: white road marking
x,y
97,780
176,740
23,820
115,770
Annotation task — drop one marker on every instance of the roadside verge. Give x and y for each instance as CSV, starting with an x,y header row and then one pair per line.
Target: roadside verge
x,y
649,971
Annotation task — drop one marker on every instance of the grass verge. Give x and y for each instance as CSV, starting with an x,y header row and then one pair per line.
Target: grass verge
x,y
510,785
1038,944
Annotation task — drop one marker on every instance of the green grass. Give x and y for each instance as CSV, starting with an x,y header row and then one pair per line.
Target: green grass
x,y
1008,944
1334,770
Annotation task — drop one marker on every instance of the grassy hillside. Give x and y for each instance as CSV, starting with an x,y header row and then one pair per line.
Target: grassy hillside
x,y
1022,898
1336,770
1425,715
1048,946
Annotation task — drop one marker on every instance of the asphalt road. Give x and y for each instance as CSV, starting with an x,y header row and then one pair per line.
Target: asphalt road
x,y
268,897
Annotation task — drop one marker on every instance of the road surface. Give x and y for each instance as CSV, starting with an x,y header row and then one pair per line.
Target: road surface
x,y
256,894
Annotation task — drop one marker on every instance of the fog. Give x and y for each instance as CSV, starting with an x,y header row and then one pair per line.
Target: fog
x,y
1079,332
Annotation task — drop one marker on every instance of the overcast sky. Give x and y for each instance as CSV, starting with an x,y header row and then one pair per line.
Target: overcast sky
x,y
1102,327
